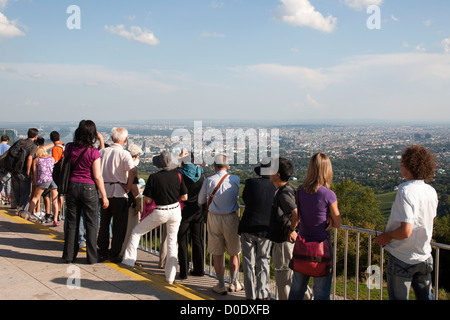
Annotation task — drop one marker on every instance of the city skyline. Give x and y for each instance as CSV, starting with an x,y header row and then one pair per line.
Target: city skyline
x,y
279,60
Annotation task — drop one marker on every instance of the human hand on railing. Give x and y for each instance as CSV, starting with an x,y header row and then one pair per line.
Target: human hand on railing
x,y
293,236
383,239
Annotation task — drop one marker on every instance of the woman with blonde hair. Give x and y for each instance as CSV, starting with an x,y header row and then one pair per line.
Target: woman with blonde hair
x,y
43,179
317,213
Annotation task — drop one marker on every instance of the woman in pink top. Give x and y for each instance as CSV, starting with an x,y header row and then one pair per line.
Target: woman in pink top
x,y
85,182
42,171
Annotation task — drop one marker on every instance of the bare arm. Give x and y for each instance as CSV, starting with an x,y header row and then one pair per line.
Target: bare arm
x,y
135,193
401,233
335,216
294,223
99,182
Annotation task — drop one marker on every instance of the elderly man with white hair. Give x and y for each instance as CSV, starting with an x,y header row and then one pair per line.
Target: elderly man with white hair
x,y
118,171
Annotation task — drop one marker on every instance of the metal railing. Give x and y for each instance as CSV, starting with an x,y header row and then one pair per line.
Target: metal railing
x,y
151,242
378,276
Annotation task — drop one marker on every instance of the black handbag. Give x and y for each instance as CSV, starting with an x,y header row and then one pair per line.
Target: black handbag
x,y
66,169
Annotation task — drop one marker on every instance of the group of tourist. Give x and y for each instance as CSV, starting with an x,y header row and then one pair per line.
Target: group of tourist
x,y
180,198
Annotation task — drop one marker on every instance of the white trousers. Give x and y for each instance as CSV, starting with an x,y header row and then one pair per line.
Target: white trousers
x,y
172,219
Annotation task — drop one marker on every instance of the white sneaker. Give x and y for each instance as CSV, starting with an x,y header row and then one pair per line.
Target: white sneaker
x,y
219,289
235,287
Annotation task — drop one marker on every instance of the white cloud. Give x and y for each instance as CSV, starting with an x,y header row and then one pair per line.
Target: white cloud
x,y
31,103
9,29
421,47
394,18
217,4
446,44
313,102
302,76
3,4
369,86
135,34
303,13
361,4
428,23
84,75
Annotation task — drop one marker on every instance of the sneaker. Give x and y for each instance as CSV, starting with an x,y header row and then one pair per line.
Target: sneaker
x,y
36,217
24,214
219,289
236,287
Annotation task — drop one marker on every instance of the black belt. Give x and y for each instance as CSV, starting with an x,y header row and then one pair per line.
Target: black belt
x,y
168,208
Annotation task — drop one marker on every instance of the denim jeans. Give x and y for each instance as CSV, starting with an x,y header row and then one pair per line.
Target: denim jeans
x,y
401,276
5,182
321,286
81,196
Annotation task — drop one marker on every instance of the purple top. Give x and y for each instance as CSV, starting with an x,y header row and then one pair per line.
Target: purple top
x,y
313,210
83,172
45,170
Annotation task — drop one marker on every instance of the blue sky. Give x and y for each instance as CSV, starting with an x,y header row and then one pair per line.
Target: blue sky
x,y
296,60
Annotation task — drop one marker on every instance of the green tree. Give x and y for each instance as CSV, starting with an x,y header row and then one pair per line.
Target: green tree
x,y
358,208
357,205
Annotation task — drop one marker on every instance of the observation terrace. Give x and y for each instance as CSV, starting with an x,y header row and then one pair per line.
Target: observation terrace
x,y
31,268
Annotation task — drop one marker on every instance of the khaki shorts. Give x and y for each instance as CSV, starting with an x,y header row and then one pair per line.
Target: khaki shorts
x,y
223,234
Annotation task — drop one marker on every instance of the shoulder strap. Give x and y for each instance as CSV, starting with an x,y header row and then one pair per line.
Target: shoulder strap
x,y
215,190
79,157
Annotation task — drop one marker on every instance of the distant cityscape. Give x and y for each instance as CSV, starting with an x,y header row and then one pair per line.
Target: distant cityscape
x,y
377,145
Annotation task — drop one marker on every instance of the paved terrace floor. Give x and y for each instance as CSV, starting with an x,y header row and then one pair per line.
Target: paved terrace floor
x,y
31,268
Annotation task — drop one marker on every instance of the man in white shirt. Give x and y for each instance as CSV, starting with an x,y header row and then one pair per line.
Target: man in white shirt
x,y
223,222
409,229
118,173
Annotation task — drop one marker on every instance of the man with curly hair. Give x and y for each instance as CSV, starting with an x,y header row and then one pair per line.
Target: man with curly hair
x,y
410,226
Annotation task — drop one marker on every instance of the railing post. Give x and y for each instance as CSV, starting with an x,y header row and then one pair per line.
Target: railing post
x,y
381,272
334,262
369,262
345,263
357,266
436,275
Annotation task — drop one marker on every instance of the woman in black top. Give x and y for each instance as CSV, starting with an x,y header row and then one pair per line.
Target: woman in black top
x,y
166,188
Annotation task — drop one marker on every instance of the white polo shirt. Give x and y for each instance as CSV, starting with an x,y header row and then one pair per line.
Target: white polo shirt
x,y
416,203
115,164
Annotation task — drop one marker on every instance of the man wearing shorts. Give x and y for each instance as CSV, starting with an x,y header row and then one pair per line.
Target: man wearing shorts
x,y
223,222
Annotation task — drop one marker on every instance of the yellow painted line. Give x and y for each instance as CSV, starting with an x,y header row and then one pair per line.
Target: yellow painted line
x,y
175,290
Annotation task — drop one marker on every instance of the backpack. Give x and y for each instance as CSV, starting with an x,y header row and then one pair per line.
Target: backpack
x,y
57,168
14,158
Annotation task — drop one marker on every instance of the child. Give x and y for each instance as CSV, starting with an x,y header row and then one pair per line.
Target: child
x,y
42,171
